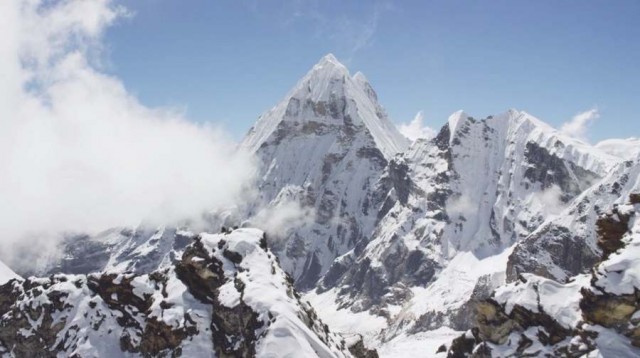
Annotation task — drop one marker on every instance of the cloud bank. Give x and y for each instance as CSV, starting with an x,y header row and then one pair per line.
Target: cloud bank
x,y
77,151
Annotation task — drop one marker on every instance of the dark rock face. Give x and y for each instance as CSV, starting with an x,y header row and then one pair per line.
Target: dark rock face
x,y
152,337
613,311
469,345
607,309
360,351
549,170
377,286
232,328
14,319
402,184
560,245
83,256
572,246
598,307
610,228
494,325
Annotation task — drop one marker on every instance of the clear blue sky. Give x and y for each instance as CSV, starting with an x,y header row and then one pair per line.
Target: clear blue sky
x,y
228,61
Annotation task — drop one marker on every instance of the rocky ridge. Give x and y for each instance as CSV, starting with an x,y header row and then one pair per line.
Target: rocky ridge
x,y
592,314
226,297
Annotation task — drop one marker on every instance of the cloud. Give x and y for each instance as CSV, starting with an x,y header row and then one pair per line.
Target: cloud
x,y
77,151
416,128
278,220
577,127
461,206
549,201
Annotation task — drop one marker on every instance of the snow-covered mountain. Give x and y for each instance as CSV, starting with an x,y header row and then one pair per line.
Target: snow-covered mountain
x,y
324,147
226,297
593,314
406,243
472,193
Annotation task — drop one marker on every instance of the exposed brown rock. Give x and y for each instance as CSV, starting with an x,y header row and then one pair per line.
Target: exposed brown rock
x,y
610,229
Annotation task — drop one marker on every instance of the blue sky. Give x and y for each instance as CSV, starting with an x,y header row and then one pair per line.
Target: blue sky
x,y
228,61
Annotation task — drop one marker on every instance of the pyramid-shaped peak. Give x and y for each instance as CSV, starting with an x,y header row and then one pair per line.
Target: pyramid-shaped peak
x,y
329,59
328,67
328,97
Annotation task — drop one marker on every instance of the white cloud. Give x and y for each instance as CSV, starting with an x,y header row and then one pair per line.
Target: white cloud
x,y
578,125
461,206
278,220
77,151
549,201
416,128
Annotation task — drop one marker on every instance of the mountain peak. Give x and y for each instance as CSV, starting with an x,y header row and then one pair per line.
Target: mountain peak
x,y
327,94
329,64
329,58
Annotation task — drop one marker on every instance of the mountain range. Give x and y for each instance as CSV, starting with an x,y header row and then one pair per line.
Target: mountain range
x,y
499,236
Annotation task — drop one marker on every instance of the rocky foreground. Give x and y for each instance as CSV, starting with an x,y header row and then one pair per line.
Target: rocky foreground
x,y
594,315
226,296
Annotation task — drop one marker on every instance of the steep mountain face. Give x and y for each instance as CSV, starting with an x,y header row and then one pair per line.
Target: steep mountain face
x,y
324,147
226,296
566,245
593,315
469,195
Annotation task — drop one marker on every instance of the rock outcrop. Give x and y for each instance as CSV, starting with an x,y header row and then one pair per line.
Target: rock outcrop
x,y
593,313
226,297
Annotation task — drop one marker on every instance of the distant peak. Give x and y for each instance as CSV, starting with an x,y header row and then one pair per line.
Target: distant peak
x,y
329,58
330,63
360,77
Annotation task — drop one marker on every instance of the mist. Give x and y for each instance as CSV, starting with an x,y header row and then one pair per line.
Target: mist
x,y
78,153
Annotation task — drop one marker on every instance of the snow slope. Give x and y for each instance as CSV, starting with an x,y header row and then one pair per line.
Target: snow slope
x,y
6,273
627,149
